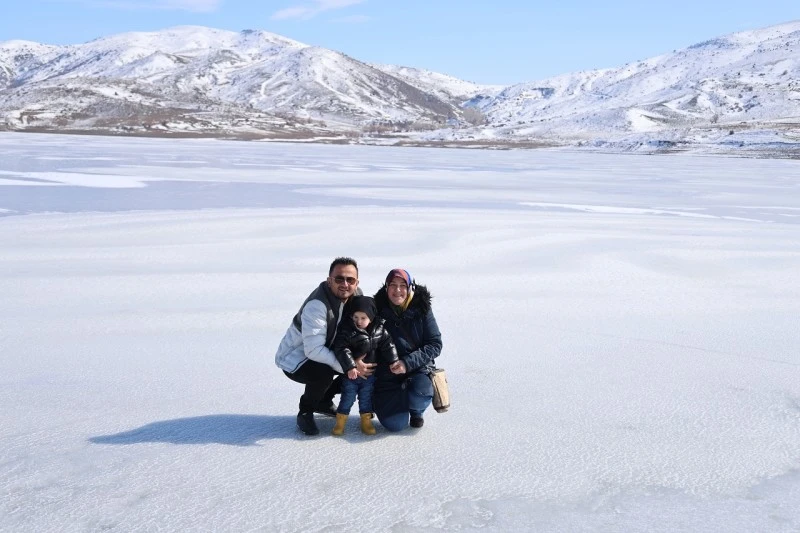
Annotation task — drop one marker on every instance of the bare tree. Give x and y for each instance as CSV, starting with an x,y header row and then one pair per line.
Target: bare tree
x,y
474,116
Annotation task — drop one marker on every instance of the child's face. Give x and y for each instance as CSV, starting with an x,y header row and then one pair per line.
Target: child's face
x,y
360,319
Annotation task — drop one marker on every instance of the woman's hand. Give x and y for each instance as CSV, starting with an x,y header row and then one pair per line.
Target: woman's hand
x,y
352,373
398,367
364,370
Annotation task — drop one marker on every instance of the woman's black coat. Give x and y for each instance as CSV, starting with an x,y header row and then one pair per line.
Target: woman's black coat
x,y
414,331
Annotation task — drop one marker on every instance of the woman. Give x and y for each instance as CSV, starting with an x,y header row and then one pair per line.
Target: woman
x,y
404,390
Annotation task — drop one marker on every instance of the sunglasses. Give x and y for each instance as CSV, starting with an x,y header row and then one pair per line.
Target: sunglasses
x,y
342,279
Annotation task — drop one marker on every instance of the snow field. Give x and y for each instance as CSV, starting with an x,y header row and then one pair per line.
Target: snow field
x,y
612,369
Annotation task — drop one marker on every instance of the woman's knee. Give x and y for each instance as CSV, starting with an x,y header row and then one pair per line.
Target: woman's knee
x,y
421,386
395,422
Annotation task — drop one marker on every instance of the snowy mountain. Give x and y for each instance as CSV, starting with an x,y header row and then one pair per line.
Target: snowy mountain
x,y
444,86
202,80
196,78
743,80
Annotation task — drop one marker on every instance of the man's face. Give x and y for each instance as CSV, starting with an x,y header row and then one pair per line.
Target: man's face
x,y
343,281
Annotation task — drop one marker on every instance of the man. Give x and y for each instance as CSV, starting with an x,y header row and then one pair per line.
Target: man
x,y
305,354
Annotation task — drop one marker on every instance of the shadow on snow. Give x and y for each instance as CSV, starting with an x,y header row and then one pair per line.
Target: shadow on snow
x,y
233,430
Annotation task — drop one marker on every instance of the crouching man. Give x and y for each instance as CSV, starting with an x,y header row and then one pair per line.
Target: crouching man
x,y
305,353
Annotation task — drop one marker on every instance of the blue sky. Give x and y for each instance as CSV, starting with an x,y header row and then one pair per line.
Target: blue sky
x,y
498,42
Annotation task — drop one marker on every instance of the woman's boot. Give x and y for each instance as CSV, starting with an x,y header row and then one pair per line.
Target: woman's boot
x,y
366,424
341,420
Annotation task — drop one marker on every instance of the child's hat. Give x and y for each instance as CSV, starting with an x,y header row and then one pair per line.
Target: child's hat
x,y
365,304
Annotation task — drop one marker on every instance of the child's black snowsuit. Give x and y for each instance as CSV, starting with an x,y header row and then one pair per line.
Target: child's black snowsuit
x,y
351,342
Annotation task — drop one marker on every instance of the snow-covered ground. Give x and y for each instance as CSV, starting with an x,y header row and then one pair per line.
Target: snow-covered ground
x,y
620,337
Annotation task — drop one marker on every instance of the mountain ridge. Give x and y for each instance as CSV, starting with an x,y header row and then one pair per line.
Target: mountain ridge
x,y
252,83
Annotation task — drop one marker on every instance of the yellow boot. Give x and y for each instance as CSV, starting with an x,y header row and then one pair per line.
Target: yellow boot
x,y
366,424
341,420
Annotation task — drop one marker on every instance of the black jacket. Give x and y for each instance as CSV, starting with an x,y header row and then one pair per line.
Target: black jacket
x,y
374,341
414,331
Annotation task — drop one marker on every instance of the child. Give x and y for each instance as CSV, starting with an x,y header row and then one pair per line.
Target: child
x,y
361,335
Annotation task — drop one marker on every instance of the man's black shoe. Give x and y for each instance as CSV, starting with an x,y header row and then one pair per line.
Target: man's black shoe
x,y
417,421
326,410
305,421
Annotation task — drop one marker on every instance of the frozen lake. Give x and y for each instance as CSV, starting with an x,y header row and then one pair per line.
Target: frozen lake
x,y
620,337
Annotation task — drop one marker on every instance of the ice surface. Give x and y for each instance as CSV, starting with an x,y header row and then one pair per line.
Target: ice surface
x,y
620,337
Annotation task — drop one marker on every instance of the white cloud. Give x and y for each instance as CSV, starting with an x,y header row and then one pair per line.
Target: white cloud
x,y
308,11
336,4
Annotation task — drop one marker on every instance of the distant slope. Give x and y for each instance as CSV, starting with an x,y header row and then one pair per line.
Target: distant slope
x,y
745,77
197,80
444,86
193,69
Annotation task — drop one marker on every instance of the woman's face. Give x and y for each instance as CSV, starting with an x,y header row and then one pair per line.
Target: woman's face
x,y
397,291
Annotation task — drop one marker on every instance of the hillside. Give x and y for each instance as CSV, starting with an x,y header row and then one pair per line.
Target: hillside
x,y
253,84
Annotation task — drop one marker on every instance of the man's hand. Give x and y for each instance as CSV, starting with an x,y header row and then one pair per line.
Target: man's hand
x,y
365,370
398,367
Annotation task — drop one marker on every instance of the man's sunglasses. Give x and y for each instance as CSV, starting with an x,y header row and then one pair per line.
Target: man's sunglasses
x,y
341,279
